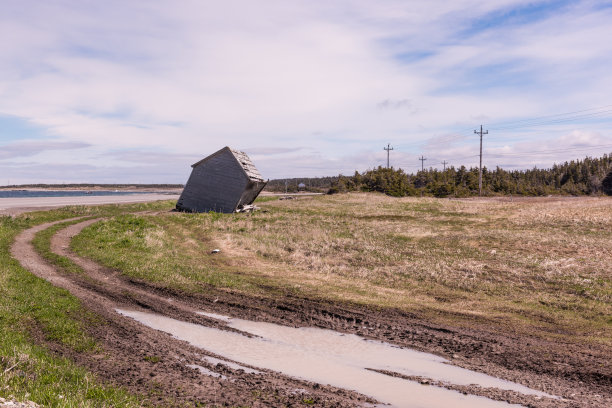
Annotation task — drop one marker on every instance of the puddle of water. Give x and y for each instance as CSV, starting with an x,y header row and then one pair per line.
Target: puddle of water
x,y
215,316
375,354
329,357
206,371
234,366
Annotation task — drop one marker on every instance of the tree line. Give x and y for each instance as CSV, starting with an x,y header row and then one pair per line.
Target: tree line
x,y
588,176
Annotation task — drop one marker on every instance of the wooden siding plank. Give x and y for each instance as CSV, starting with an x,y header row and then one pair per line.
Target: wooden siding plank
x,y
214,185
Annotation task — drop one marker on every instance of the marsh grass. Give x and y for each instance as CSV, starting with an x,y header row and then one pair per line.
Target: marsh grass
x,y
541,266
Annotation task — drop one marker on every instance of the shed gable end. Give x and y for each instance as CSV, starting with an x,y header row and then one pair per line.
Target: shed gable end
x,y
215,184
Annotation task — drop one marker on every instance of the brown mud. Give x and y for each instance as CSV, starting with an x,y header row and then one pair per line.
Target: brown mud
x,y
153,364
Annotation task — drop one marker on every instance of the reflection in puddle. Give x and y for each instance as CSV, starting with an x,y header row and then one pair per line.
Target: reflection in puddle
x,y
329,357
215,316
206,371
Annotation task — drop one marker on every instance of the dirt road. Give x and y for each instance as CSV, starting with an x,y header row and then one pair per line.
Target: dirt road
x,y
154,364
150,362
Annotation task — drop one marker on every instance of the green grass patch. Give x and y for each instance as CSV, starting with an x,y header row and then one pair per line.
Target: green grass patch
x,y
42,244
30,308
152,359
173,251
29,372
265,199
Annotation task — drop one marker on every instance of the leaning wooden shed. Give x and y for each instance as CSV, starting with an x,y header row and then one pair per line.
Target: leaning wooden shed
x,y
225,181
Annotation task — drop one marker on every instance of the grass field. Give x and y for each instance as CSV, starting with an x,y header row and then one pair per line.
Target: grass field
x,y
540,266
32,308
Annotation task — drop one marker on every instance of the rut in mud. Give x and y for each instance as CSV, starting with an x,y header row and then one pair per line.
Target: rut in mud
x,y
152,363
155,364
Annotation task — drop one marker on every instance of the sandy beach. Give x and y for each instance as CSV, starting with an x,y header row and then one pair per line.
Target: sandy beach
x,y
13,206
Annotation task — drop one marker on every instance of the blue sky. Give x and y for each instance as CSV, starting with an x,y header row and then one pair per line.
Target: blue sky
x,y
132,91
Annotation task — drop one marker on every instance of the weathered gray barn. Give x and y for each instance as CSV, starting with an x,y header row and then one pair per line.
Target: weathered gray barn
x,y
222,182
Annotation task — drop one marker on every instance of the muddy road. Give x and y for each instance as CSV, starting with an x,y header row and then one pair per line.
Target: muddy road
x,y
172,372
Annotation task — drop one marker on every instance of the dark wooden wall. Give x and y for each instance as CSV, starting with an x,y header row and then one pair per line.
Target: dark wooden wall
x,y
216,184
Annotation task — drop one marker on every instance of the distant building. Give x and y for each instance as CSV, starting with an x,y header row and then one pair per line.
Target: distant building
x,y
301,186
223,182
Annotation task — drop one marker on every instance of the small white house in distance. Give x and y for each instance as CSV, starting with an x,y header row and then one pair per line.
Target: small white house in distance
x,y
225,181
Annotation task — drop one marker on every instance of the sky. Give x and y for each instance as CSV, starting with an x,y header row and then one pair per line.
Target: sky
x,y
137,91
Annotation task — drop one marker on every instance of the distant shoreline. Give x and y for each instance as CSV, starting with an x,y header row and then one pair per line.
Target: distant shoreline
x,y
157,188
15,206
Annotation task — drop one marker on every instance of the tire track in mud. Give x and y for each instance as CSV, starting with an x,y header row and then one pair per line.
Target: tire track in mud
x,y
576,373
152,363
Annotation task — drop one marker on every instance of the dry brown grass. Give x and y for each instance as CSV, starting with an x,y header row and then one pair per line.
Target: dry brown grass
x,y
544,262
542,265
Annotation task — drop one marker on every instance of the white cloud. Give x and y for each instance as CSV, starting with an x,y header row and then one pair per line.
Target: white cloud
x,y
32,148
340,78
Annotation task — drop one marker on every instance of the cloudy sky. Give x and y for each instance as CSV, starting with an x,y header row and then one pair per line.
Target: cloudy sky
x,y
136,91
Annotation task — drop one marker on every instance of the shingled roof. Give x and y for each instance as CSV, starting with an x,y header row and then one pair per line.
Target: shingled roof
x,y
248,166
242,158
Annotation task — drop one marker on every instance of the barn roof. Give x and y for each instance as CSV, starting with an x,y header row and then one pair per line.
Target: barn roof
x,y
242,159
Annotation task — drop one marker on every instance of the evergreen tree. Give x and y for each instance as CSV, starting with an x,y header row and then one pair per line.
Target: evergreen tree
x,y
606,184
577,177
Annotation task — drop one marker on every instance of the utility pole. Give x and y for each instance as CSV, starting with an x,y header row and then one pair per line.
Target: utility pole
x,y
486,132
388,148
422,159
444,162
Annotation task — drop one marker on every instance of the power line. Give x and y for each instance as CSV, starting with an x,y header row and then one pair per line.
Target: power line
x,y
536,152
600,112
604,111
422,159
486,132
388,148
530,153
594,115
601,109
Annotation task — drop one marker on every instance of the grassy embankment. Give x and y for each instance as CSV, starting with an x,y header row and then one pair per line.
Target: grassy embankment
x,y
534,266
31,308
